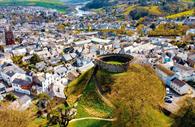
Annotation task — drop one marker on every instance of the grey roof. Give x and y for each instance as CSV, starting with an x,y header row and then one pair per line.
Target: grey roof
x,y
2,85
21,82
192,56
178,82
10,68
10,73
67,57
61,70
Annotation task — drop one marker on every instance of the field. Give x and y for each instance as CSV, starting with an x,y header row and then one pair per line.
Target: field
x,y
53,4
182,14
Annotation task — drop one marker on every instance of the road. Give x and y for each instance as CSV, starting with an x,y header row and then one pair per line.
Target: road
x,y
92,118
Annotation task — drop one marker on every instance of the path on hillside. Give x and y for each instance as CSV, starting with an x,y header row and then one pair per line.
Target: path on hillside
x,y
92,118
104,99
99,89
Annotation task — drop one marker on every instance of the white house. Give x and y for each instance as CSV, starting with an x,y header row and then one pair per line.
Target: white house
x,y
16,78
180,87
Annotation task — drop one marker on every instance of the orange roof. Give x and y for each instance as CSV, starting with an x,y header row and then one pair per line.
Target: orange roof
x,y
165,70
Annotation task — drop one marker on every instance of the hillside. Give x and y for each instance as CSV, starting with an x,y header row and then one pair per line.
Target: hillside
x,y
53,4
137,94
132,93
182,14
137,9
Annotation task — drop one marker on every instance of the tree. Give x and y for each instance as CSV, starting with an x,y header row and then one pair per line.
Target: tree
x,y
60,117
186,117
153,26
17,59
10,97
35,59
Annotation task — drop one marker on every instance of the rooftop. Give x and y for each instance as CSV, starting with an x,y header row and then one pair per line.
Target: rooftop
x,y
165,70
178,82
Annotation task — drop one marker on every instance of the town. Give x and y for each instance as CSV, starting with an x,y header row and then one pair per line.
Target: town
x,y
42,51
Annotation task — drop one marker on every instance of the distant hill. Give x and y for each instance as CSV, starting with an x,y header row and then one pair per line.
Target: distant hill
x,y
53,4
141,8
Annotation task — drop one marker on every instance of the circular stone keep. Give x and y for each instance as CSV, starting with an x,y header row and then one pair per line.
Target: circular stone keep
x,y
114,62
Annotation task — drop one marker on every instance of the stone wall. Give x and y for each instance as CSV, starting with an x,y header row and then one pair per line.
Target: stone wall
x,y
125,60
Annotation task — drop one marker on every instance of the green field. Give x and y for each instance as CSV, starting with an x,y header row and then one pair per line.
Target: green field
x,y
53,4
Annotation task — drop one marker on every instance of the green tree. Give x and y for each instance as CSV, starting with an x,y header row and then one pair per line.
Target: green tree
x,y
17,59
10,97
186,117
35,59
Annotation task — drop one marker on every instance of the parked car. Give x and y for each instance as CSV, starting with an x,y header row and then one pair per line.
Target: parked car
x,y
167,90
170,95
170,98
168,101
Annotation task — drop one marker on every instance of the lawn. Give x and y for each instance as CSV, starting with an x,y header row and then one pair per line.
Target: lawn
x,y
114,62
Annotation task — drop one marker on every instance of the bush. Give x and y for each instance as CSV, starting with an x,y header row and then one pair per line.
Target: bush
x,y
10,97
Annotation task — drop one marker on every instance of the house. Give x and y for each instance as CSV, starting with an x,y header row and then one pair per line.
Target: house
x,y
2,88
100,41
183,72
22,83
67,57
22,103
190,21
190,31
58,91
5,57
191,60
16,78
19,51
83,42
60,70
72,75
46,81
165,74
40,66
86,67
180,87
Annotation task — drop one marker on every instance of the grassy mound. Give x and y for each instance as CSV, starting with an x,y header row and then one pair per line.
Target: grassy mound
x,y
137,95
